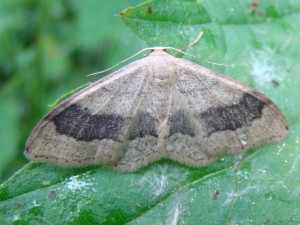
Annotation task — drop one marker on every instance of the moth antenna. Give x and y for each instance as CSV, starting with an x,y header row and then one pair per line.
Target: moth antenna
x,y
162,48
189,46
195,57
119,63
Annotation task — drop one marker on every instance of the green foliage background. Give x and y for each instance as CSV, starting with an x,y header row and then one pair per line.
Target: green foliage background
x,y
49,46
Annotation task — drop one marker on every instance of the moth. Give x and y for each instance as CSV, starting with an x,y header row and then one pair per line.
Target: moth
x,y
156,107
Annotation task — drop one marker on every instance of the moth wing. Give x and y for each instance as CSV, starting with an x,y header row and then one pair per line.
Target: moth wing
x,y
153,108
93,125
211,114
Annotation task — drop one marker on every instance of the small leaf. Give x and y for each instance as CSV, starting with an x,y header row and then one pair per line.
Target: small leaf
x,y
67,95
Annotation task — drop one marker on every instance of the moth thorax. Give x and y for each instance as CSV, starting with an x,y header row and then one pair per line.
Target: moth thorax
x,y
162,73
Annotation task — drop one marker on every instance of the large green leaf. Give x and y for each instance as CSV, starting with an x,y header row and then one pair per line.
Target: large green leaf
x,y
260,187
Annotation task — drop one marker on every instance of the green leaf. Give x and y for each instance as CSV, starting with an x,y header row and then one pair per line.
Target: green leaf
x,y
262,47
259,187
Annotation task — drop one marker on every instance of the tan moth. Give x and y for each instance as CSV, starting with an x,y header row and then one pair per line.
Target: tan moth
x,y
153,108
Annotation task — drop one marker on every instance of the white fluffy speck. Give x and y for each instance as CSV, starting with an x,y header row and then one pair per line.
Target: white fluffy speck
x,y
174,215
232,196
75,184
35,204
155,182
16,217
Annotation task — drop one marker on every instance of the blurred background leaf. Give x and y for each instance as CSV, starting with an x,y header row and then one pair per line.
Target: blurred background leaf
x,y
47,48
259,187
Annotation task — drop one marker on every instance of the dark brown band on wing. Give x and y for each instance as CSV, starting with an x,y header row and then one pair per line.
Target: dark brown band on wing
x,y
233,116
